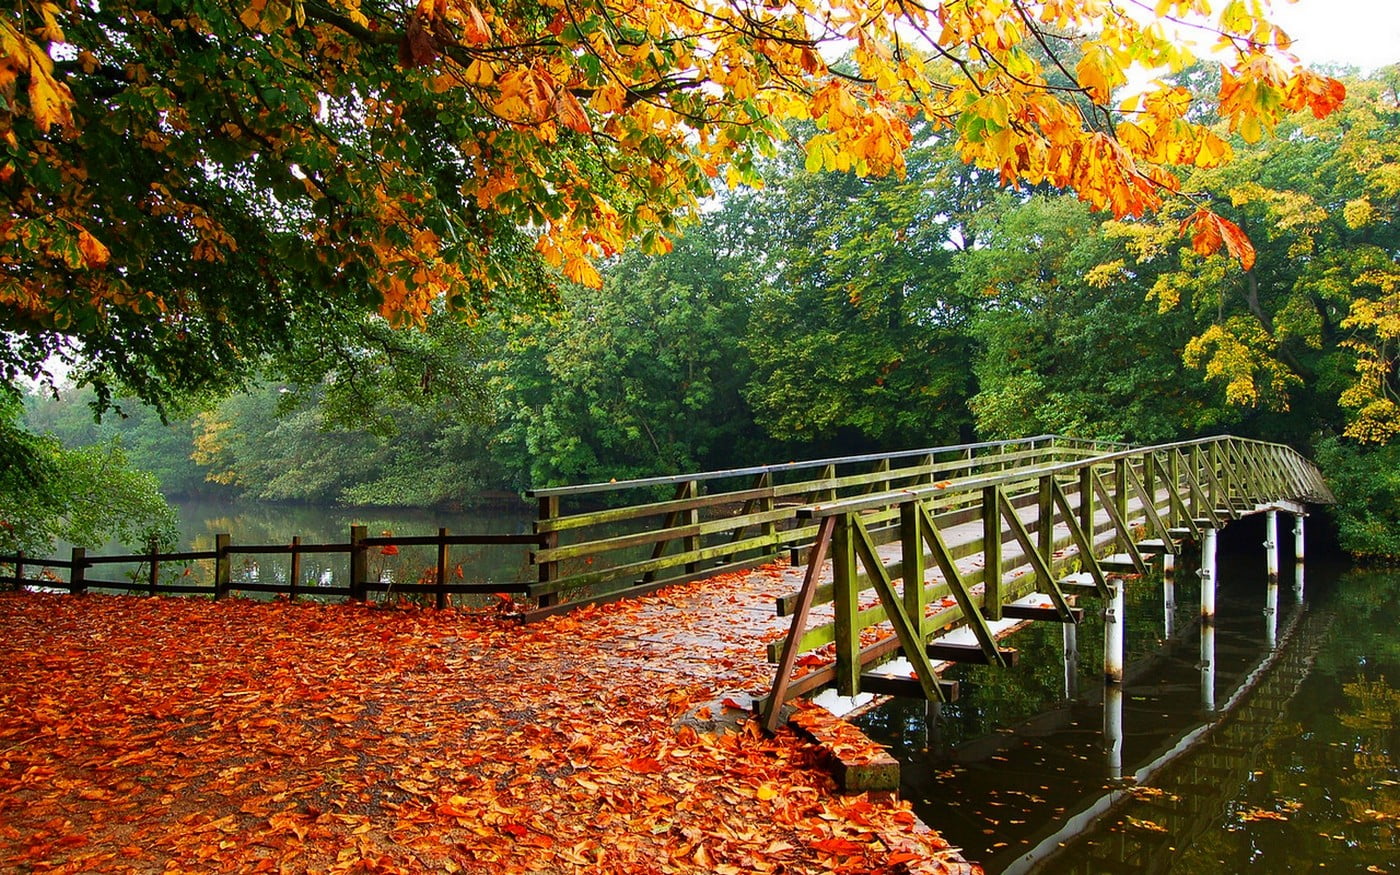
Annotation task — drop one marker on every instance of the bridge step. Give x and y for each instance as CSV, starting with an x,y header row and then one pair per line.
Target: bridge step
x,y
1081,580
1205,522
1155,545
1032,612
1179,533
969,653
1118,562
903,687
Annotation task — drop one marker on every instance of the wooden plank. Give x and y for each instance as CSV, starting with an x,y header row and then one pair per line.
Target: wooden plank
x,y
772,712
635,569
1125,532
637,511
906,687
1082,539
1043,571
957,586
1049,614
660,537
847,601
971,654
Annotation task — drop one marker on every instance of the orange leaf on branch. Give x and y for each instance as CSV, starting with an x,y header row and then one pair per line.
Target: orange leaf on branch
x,y
1209,232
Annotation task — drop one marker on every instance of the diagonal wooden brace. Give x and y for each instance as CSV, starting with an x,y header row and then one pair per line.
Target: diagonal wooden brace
x,y
1042,567
958,587
910,638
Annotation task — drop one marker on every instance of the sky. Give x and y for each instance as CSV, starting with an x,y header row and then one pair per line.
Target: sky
x,y
1358,33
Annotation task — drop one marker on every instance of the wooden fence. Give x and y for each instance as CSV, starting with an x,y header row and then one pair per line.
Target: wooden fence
x,y
436,581
666,530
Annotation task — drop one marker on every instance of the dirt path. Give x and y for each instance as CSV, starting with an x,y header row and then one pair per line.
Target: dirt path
x,y
182,735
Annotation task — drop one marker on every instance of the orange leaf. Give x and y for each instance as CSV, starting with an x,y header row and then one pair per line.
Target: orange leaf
x,y
1237,244
93,250
1210,232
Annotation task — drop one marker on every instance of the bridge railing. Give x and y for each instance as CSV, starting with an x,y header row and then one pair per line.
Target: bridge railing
x,y
603,541
1031,525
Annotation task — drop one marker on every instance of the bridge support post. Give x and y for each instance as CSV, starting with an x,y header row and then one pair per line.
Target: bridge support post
x,y
1208,667
1271,614
1271,545
1071,639
1113,730
1208,577
1168,595
1298,552
1113,626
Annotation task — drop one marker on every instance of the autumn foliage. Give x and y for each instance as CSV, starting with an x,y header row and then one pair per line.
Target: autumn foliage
x,y
398,157
185,735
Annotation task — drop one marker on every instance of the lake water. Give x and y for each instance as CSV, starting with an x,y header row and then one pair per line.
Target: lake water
x,y
1287,759
251,523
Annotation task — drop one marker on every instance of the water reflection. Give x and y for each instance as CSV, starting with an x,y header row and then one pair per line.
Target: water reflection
x,y
251,523
1296,769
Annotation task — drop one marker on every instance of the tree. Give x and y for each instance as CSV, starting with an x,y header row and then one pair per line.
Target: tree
x,y
1067,341
190,190
640,377
150,444
85,495
859,337
1298,339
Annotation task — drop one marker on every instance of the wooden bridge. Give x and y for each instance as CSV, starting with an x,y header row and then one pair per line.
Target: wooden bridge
x,y
929,553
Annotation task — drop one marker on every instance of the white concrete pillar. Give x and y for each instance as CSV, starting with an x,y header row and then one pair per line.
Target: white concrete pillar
x,y
1168,595
1113,730
1271,544
1298,538
1271,615
1208,572
1208,667
1071,639
1113,630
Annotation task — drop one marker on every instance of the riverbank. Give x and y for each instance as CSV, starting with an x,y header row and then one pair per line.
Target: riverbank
x,y
145,735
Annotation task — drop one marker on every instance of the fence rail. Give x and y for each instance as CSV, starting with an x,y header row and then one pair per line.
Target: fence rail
x,y
666,530
148,579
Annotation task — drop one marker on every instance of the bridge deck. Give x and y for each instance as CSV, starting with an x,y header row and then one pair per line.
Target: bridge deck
x,y
717,631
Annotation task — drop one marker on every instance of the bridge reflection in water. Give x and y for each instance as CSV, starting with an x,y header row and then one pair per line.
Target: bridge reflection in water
x,y
1120,777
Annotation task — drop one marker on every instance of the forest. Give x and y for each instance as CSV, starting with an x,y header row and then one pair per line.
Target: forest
x,y
377,253
818,313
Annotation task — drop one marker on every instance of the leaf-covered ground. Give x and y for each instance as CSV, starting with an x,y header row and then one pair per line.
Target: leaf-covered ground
x,y
164,735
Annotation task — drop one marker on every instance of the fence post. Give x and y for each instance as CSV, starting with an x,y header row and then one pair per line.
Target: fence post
x,y
911,537
359,564
155,568
78,571
19,571
442,569
296,568
1086,499
991,552
691,517
1120,497
847,601
548,571
223,565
